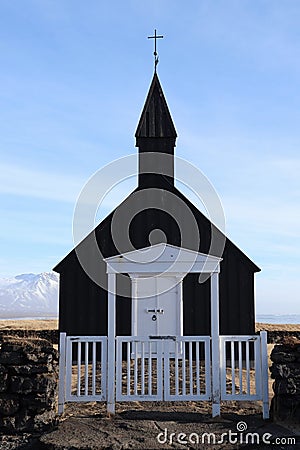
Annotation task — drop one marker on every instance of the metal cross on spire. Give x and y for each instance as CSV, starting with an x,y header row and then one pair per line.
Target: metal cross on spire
x,y
155,37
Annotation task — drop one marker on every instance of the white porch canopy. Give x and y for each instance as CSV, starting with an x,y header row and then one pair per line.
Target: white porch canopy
x,y
163,260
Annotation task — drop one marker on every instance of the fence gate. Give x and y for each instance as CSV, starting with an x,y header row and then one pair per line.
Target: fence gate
x,y
240,355
163,368
82,369
244,369
139,369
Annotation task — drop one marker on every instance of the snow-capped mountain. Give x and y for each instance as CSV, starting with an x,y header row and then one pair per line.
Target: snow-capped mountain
x,y
29,295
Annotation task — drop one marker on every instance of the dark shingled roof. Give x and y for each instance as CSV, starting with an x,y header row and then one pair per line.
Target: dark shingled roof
x,y
156,120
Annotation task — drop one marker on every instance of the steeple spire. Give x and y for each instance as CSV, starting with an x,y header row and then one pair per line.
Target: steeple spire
x,y
156,120
155,135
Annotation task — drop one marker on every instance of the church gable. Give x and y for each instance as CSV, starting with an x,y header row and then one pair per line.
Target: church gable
x,y
153,219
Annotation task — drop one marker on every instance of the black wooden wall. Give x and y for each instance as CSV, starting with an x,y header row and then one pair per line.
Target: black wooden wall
x,y
83,304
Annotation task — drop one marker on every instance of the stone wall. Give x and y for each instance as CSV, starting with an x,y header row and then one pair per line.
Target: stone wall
x,y
285,370
28,384
281,336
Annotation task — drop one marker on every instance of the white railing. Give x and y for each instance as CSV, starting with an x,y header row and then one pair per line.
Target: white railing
x,y
139,369
240,360
163,368
187,374
244,369
82,378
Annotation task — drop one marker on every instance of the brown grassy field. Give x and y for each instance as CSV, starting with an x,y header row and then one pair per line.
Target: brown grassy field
x,y
277,327
29,324
52,324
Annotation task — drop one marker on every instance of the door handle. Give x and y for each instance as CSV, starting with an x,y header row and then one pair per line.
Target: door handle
x,y
155,310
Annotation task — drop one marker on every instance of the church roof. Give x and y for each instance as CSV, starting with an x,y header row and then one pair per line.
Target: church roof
x,y
156,120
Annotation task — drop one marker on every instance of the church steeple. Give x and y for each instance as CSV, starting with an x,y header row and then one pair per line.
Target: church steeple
x,y
156,120
155,134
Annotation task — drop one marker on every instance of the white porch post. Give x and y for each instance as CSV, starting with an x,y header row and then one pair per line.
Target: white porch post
x,y
134,297
215,345
111,347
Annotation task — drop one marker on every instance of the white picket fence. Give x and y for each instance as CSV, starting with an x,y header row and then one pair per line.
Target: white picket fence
x,y
239,356
171,369
82,369
163,368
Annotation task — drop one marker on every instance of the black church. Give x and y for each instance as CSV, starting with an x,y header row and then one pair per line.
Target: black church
x,y
83,302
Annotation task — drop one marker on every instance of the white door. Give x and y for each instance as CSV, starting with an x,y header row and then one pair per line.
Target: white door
x,y
169,314
157,307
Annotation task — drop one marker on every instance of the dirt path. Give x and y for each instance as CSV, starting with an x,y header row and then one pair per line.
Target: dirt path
x,y
158,426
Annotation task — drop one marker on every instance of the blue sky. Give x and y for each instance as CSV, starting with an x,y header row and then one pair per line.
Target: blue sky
x,y
73,80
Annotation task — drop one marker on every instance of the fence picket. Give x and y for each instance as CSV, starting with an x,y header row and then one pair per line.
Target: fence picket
x,y
142,369
197,369
240,367
176,369
135,368
94,362
191,366
78,368
128,367
183,370
150,370
248,368
86,369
